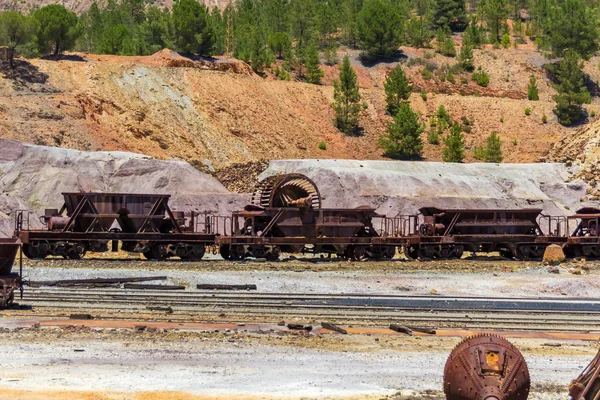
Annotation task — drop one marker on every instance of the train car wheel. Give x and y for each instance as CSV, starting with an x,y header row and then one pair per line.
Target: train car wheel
x,y
76,252
236,253
196,252
224,251
158,252
459,251
273,254
411,253
33,252
359,253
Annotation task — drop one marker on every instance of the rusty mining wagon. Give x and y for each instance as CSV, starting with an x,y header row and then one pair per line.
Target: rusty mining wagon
x,y
9,281
143,223
286,216
447,233
584,241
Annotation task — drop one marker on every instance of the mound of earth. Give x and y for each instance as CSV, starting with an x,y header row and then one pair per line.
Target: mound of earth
x,y
581,149
33,178
172,106
397,188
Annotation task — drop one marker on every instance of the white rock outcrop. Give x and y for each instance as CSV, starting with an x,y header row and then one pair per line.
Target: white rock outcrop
x,y
33,177
402,187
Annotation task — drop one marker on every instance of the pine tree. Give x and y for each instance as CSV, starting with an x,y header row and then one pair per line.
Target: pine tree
x,y
113,39
349,13
454,149
572,92
495,13
450,14
419,32
473,34
532,89
379,28
280,43
314,73
493,151
16,30
397,89
58,29
192,30
465,58
302,22
403,140
443,115
346,100
573,24
448,48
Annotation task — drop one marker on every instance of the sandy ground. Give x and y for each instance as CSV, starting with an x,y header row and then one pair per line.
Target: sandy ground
x,y
232,366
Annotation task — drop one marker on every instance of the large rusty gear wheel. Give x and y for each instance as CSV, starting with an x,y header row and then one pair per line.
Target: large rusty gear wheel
x,y
486,367
284,190
587,385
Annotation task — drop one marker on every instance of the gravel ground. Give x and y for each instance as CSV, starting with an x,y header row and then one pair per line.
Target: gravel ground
x,y
525,281
83,363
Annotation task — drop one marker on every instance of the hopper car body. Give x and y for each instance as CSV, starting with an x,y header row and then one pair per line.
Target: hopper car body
x,y
143,223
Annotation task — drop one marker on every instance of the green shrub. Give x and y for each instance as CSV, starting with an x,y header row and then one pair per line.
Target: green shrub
x,y
478,153
433,137
423,95
506,40
450,77
528,111
426,74
544,119
532,89
448,48
444,115
481,77
282,74
322,146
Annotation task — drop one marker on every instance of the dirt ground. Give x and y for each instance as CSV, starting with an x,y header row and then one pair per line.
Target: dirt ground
x,y
77,362
109,364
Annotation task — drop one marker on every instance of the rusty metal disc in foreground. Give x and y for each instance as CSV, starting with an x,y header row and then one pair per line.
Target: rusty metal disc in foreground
x,y
486,367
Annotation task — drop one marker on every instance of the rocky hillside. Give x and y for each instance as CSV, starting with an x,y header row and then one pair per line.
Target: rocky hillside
x,y
218,112
581,149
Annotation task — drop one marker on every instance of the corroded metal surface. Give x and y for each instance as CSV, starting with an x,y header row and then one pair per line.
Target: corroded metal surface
x,y
486,367
290,190
587,385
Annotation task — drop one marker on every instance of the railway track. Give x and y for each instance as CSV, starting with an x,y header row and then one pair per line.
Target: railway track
x,y
565,314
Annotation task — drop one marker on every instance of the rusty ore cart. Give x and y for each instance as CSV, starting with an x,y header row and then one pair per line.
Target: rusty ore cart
x,y
445,234
143,223
286,216
9,281
584,241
